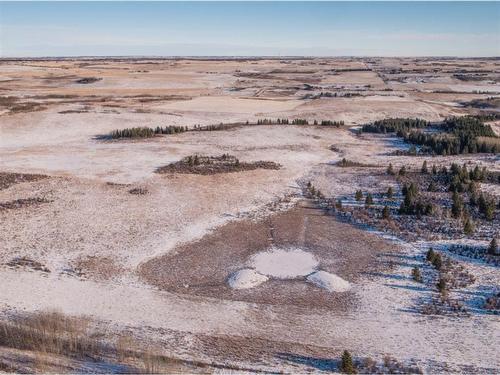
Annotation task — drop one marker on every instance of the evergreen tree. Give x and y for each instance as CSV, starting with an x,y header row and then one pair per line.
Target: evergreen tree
x,y
430,255
386,214
402,171
457,205
338,205
359,195
415,273
389,192
441,285
468,226
493,247
347,365
434,169
424,167
368,200
390,170
437,261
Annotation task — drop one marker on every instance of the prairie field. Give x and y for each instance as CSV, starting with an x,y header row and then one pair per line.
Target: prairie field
x,y
249,215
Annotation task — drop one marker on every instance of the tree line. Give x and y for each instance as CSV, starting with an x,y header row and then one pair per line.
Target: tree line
x,y
458,135
299,121
145,132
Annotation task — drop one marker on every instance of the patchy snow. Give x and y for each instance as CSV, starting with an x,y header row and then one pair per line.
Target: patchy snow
x,y
246,278
284,263
329,281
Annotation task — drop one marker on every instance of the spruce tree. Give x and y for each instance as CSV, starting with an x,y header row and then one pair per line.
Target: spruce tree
x,y
441,285
430,255
468,226
390,169
493,247
415,273
424,167
359,195
347,365
368,200
457,205
437,261
389,192
386,214
338,205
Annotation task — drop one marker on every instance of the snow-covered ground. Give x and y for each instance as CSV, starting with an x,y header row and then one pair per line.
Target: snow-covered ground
x,y
91,218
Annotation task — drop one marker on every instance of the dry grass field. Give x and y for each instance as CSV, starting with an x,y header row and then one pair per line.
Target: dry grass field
x,y
120,255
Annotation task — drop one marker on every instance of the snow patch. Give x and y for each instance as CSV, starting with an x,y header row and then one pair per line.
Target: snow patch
x,y
284,263
329,281
246,278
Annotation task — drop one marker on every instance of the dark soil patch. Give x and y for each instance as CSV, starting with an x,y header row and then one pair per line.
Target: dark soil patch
x,y
202,267
24,262
138,191
21,203
9,179
208,165
87,80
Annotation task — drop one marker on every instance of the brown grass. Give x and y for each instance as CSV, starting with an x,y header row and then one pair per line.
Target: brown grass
x,y
50,332
490,141
21,203
9,179
53,342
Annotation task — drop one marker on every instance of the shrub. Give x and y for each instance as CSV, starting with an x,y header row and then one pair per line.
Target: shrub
x,y
402,171
347,365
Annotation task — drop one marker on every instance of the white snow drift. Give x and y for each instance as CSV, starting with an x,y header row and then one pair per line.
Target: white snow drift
x,y
285,264
246,278
329,281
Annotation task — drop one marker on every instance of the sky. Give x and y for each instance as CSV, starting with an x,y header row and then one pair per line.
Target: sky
x,y
41,29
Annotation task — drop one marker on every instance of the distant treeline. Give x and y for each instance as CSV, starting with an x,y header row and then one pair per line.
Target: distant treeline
x,y
455,135
299,121
395,125
461,137
145,132
215,127
329,94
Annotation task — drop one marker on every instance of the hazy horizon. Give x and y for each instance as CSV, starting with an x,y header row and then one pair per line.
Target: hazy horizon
x,y
249,29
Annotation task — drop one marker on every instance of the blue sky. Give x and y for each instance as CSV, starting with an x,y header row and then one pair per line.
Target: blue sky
x,y
249,28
